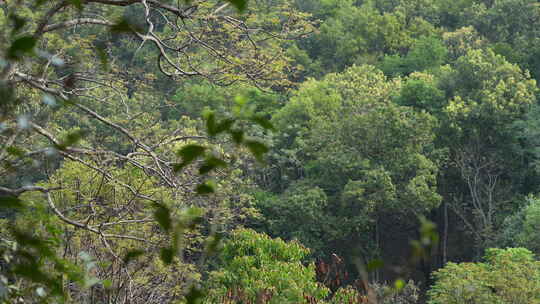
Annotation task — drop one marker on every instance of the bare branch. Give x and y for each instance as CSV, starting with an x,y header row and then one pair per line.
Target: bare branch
x,y
21,190
74,22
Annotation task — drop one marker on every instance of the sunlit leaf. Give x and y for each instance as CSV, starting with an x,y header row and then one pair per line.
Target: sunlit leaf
x,y
107,284
399,284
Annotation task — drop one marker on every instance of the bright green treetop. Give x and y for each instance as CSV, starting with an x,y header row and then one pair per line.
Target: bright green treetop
x,y
507,276
255,266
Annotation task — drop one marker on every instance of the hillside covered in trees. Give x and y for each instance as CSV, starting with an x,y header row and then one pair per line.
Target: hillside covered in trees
x,y
270,151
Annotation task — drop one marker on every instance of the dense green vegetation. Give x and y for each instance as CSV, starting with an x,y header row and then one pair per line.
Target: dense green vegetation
x,y
270,151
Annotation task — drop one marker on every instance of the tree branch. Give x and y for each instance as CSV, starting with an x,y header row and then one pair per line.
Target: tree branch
x,y
74,22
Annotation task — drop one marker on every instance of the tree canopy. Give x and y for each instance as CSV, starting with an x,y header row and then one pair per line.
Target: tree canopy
x,y
257,151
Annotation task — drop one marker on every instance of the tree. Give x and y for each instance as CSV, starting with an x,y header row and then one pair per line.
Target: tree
x,y
382,294
486,94
299,213
521,229
460,41
192,98
358,34
256,267
67,99
507,276
421,91
359,161
46,67
425,53
107,222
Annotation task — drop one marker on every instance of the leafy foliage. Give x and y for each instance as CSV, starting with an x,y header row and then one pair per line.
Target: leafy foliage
x,y
369,115
254,266
507,276
354,144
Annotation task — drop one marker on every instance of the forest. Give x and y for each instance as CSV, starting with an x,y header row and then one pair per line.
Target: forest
x,y
270,151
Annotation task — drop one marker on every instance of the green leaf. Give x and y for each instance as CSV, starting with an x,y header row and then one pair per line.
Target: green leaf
x,y
210,118
26,239
8,100
162,215
206,188
399,284
188,153
191,217
194,218
107,284
237,136
211,163
224,125
166,255
15,151
103,57
257,148
124,26
263,122
40,2
20,47
132,255
71,139
77,4
240,101
213,243
194,296
375,264
213,127
18,22
91,282
239,4
10,202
